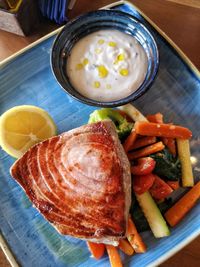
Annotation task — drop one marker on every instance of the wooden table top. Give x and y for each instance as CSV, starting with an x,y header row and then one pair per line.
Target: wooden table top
x,y
180,22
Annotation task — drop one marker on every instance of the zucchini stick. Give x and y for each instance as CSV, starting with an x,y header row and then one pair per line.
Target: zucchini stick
x,y
133,113
186,166
153,215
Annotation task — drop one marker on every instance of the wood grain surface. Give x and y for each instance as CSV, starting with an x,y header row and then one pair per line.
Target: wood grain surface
x,y
180,22
193,3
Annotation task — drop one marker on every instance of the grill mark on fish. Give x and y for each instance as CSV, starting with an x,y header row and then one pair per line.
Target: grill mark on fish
x,y
91,212
102,140
70,202
80,188
46,205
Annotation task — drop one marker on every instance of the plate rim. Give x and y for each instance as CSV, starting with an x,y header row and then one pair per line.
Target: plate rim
x,y
4,246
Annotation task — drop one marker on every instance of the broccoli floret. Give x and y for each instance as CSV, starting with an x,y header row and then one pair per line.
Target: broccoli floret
x,y
122,125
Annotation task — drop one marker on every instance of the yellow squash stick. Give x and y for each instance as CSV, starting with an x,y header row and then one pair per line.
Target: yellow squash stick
x,y
186,166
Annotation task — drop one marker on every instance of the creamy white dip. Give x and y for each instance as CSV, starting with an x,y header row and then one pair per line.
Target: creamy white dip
x,y
107,65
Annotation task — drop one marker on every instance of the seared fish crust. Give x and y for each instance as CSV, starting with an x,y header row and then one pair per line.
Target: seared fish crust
x,y
80,181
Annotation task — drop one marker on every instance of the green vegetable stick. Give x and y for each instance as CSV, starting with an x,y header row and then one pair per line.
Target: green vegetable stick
x,y
134,113
153,215
186,166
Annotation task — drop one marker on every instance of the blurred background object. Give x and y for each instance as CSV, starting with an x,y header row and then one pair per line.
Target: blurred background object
x,y
10,5
23,16
19,16
4,4
14,5
54,10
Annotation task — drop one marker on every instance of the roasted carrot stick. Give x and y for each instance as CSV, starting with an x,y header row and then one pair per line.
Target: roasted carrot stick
x,y
170,143
114,257
157,118
134,238
146,151
143,141
97,250
125,246
173,184
183,206
130,140
162,129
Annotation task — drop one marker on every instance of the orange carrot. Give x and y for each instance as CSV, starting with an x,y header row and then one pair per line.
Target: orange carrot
x,y
134,238
115,260
165,130
157,118
183,206
130,140
170,143
143,141
125,246
146,151
173,184
97,250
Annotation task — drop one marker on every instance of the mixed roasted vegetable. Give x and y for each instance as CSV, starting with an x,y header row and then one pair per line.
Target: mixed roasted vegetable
x,y
123,127
159,154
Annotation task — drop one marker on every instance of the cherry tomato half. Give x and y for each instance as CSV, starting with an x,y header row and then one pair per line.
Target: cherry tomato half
x,y
142,183
145,166
173,184
160,189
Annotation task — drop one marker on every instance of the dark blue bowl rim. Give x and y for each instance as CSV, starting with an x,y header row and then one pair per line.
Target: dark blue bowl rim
x,y
135,95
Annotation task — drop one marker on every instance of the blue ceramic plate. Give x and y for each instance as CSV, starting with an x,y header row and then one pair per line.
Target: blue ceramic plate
x,y
27,79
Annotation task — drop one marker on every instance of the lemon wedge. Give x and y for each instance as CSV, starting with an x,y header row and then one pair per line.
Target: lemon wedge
x,y
24,126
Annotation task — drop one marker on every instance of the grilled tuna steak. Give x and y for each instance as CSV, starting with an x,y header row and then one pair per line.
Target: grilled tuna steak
x,y
80,181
